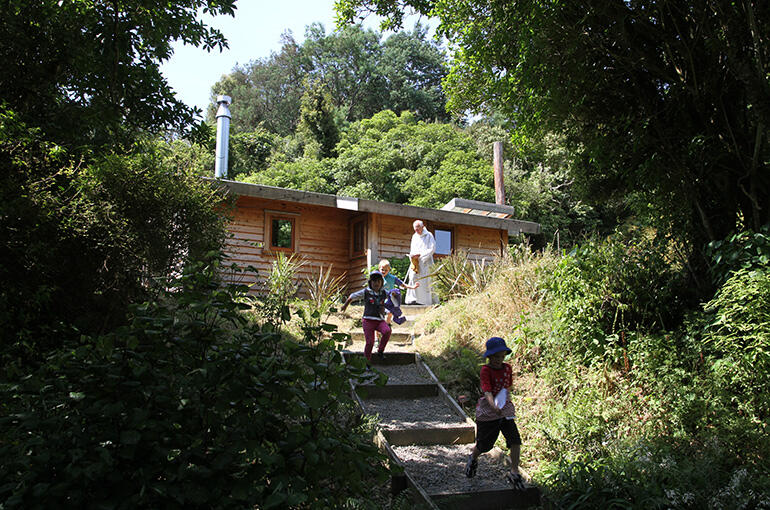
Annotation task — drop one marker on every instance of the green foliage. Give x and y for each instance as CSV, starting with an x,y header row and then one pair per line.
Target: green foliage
x,y
621,284
399,159
317,120
656,474
609,77
83,239
249,152
188,406
88,73
307,174
400,266
739,340
743,250
324,291
279,290
363,73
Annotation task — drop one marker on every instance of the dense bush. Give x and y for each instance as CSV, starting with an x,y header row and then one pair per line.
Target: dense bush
x,y
603,289
738,341
743,250
83,238
188,406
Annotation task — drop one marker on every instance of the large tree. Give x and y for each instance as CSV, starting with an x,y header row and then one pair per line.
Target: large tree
x,y
88,72
363,73
89,211
665,102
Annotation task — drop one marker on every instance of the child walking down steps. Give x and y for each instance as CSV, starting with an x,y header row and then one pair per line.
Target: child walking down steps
x,y
495,413
374,297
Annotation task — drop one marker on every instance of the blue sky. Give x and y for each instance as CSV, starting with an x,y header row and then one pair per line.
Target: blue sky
x,y
253,33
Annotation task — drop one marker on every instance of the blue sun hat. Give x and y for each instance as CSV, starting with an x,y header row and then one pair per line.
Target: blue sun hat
x,y
375,275
495,345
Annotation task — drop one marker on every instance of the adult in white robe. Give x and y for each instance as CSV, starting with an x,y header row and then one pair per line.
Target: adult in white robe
x,y
424,246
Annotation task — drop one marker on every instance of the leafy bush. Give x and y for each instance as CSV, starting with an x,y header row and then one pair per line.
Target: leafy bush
x,y
279,289
743,250
603,288
324,291
188,406
82,239
738,339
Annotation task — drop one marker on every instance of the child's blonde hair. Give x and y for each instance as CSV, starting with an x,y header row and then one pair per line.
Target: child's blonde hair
x,y
384,263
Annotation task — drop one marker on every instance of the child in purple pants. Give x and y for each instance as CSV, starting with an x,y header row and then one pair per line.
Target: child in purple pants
x,y
374,297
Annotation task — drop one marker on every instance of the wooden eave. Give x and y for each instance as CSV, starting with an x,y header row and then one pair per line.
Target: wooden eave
x,y
512,226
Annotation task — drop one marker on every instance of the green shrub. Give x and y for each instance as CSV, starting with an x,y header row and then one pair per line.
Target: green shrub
x,y
743,250
738,339
188,406
604,288
83,238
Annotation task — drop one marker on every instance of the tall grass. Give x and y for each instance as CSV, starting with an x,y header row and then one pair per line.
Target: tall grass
x,y
626,398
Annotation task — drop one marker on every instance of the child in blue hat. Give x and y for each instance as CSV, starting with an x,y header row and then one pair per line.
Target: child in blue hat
x,y
495,413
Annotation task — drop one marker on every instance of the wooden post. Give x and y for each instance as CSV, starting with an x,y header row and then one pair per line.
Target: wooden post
x,y
498,166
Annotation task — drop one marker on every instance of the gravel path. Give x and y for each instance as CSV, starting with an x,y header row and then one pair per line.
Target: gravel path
x,y
427,412
404,374
441,468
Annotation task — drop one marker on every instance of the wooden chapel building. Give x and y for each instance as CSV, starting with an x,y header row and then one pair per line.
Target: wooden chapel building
x,y
351,234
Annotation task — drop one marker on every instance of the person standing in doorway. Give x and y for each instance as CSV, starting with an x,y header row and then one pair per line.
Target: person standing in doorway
x,y
421,254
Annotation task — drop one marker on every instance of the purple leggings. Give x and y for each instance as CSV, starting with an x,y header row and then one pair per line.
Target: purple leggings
x,y
370,326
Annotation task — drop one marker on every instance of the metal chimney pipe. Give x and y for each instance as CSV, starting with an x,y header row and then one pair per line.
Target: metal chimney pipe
x,y
498,166
223,136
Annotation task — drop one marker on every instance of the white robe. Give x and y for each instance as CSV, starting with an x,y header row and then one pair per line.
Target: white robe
x,y
425,246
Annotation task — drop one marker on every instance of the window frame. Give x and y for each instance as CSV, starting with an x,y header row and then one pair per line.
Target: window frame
x,y
270,217
447,228
361,221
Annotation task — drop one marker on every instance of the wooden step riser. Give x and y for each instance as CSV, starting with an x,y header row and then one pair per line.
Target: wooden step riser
x,y
488,500
442,435
391,358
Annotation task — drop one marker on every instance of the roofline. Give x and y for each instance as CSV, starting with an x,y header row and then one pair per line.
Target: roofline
x,y
513,227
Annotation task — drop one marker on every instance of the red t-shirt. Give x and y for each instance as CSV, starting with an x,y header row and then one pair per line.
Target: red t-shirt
x,y
493,380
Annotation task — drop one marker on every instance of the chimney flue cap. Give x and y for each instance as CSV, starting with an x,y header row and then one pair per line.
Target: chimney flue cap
x,y
224,99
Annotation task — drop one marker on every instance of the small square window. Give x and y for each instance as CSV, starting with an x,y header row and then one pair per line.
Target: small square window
x,y
281,231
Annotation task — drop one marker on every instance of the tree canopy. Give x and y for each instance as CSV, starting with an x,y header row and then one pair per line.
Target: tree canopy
x,y
363,74
665,103
89,72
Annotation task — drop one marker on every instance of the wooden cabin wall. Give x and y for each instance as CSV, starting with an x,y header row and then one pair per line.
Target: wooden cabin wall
x,y
395,237
480,243
323,240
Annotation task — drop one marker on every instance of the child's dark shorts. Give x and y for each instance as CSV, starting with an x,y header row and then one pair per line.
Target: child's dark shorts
x,y
487,431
